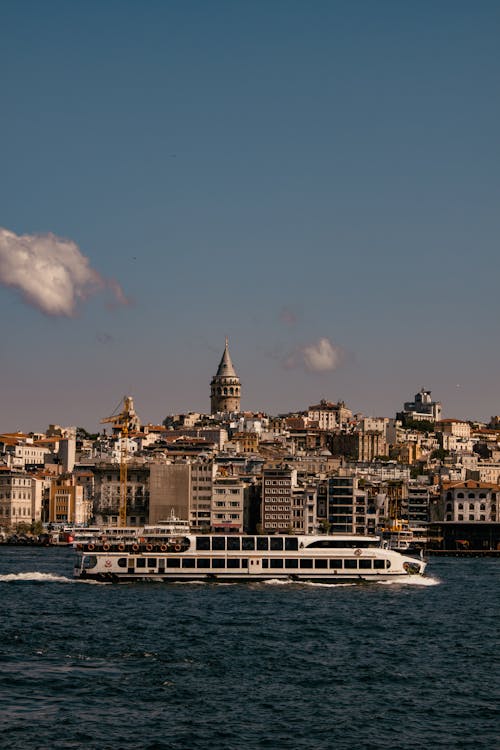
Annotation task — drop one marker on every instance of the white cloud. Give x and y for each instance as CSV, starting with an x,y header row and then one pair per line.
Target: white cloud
x,y
51,273
320,356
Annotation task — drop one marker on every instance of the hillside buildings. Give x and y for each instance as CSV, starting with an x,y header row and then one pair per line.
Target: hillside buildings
x,y
324,468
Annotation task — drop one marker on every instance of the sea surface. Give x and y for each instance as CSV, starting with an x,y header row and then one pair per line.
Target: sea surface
x,y
161,666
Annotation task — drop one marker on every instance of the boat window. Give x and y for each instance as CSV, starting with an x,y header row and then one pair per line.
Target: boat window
x,y
379,564
387,563
291,543
161,564
203,562
336,562
218,562
306,563
233,543
248,543
276,563
342,543
321,563
189,562
122,562
173,562
291,563
265,563
151,562
219,542
140,562
276,542
366,564
262,543
233,562
350,564
89,561
202,542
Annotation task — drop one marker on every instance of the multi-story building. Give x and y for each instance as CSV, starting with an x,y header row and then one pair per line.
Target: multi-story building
x,y
466,516
66,502
328,415
359,445
107,494
276,508
455,427
16,498
200,507
20,451
469,502
228,505
347,505
305,509
422,408
169,489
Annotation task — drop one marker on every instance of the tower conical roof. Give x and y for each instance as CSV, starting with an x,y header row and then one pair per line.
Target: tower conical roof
x,y
226,367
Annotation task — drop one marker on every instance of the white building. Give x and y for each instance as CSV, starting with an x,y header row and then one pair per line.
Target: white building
x,y
470,502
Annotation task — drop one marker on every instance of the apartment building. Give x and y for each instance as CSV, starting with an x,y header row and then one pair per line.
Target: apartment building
x,y
276,508
16,498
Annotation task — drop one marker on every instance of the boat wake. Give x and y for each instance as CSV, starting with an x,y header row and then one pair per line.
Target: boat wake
x,y
37,577
34,576
407,580
315,584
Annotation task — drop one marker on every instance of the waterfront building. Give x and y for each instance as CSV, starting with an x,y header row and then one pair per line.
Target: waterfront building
x,y
66,502
468,502
107,494
225,387
16,499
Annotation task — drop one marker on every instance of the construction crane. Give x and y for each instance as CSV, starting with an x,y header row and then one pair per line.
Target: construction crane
x,y
122,423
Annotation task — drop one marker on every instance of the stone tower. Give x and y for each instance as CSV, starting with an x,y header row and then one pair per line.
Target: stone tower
x,y
225,386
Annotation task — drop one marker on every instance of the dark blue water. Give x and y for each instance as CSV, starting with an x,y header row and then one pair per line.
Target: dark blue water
x,y
191,667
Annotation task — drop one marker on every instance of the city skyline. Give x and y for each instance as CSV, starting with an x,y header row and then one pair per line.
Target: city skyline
x,y
318,184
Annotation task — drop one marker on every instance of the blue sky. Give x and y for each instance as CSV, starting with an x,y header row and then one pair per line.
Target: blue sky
x,y
307,178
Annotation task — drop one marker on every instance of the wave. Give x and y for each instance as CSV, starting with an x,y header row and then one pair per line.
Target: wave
x,y
34,576
411,581
37,577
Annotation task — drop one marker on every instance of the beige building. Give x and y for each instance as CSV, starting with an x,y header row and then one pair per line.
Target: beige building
x,y
228,496
66,502
329,416
16,498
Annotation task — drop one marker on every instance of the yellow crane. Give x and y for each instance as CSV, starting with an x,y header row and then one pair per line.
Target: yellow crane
x,y
121,423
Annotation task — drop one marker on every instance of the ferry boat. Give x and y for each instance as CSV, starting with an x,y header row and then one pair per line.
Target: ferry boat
x,y
233,558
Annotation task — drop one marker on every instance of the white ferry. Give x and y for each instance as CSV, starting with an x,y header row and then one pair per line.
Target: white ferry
x,y
233,558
